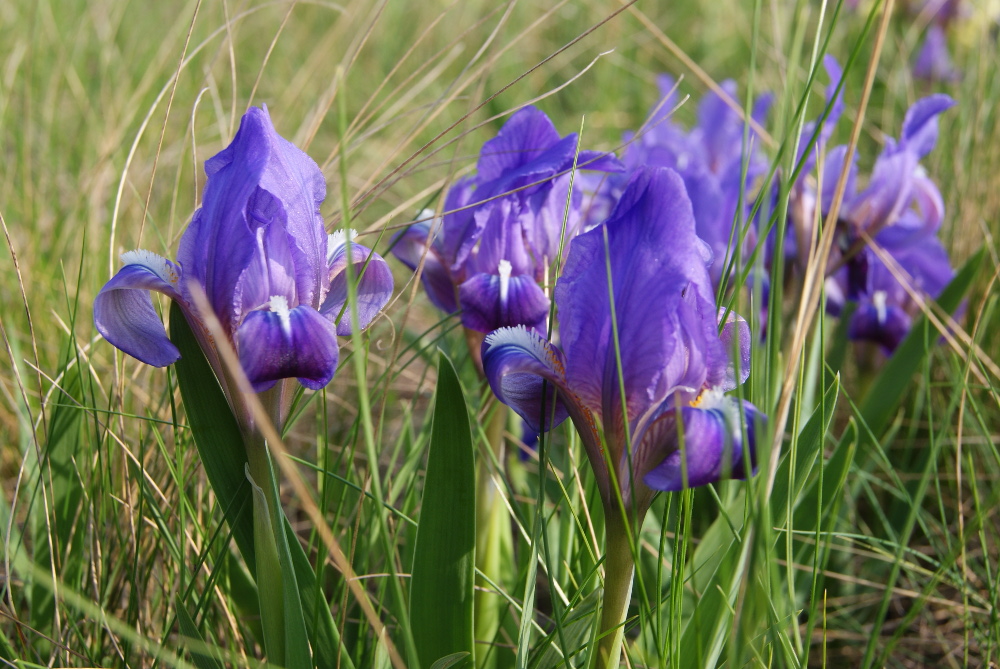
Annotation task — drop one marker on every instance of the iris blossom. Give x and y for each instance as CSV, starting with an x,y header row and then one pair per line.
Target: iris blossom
x,y
709,158
933,61
675,364
258,250
642,370
502,227
886,308
901,210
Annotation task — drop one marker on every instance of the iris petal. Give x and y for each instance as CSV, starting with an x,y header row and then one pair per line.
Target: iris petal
x,y
518,364
124,312
271,269
374,284
888,192
283,343
713,447
408,247
835,73
524,138
920,126
552,220
502,239
218,246
721,127
652,251
290,172
832,167
221,244
488,305
876,321
933,62
460,229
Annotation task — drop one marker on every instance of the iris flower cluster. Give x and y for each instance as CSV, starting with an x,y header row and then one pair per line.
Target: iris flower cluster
x,y
642,358
887,255
258,251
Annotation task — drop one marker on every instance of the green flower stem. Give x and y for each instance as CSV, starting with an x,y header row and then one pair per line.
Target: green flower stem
x,y
493,536
270,582
619,567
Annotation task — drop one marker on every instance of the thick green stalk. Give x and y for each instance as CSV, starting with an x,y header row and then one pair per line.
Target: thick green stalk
x,y
619,567
270,583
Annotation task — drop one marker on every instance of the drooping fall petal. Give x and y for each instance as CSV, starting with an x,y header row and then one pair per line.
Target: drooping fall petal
x,y
709,445
124,312
374,283
281,343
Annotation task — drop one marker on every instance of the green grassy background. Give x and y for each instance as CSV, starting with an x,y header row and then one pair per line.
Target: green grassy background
x,y
108,110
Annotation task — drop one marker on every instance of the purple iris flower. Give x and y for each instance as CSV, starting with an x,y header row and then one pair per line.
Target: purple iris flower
x,y
886,307
258,249
709,158
676,365
933,62
901,209
502,227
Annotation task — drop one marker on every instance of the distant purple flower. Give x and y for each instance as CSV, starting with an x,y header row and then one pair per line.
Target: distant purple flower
x,y
258,249
709,158
901,209
933,61
886,308
676,366
502,227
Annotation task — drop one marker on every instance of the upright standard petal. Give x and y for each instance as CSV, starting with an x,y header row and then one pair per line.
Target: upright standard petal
x,y
124,312
217,246
933,62
259,186
720,128
651,250
525,137
920,125
280,343
295,178
835,104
